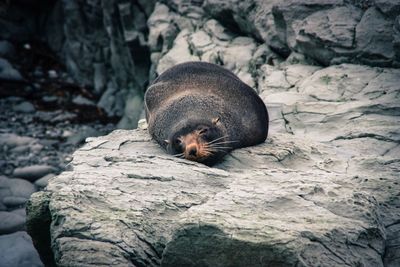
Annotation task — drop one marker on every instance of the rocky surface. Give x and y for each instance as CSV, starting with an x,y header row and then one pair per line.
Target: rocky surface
x,y
41,116
322,191
108,46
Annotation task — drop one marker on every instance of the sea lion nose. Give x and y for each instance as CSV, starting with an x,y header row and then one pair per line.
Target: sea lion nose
x,y
192,151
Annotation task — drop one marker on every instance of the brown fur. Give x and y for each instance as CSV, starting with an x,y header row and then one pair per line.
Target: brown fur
x,y
193,96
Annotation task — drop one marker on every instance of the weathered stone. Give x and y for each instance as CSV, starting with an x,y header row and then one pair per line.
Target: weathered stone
x,y
376,46
321,191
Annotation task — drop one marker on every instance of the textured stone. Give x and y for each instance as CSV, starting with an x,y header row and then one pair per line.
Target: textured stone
x,y
321,191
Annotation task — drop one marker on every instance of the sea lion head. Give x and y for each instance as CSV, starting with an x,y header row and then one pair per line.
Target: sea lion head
x,y
201,141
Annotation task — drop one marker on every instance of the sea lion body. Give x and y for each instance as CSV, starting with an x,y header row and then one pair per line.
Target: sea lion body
x,y
204,101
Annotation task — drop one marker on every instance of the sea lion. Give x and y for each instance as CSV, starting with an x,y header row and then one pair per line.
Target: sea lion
x,y
200,111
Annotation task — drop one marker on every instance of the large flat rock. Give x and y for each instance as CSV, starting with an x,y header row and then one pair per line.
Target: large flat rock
x,y
322,191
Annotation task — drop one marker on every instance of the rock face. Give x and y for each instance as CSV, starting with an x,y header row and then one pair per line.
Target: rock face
x,y
107,45
322,191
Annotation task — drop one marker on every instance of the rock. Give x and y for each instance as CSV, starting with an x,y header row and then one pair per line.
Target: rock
x,y
24,107
33,172
13,140
20,149
19,187
21,212
42,182
80,100
17,250
52,74
12,201
80,136
7,72
322,189
377,45
7,49
179,53
10,222
324,32
4,188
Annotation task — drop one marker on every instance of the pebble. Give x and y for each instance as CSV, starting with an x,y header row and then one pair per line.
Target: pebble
x,y
33,172
52,74
11,222
49,99
42,182
80,100
13,201
24,107
17,250
7,71
7,50
20,187
36,148
4,188
13,140
20,149
80,136
21,212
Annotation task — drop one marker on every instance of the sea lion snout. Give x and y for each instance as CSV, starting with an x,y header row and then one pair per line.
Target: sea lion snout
x,y
191,151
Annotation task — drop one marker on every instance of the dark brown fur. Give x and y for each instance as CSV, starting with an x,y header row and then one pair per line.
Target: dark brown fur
x,y
202,111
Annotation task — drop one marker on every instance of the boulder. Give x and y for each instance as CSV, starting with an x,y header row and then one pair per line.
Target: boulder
x,y
322,191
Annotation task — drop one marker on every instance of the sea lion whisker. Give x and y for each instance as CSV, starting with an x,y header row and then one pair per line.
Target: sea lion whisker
x,y
218,145
219,138
222,147
224,142
178,155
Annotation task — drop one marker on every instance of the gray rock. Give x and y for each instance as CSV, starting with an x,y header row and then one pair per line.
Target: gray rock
x,y
376,46
20,149
33,172
13,140
107,49
80,100
7,72
25,107
12,201
19,187
325,182
80,136
17,250
21,212
7,49
42,182
52,74
11,222
324,33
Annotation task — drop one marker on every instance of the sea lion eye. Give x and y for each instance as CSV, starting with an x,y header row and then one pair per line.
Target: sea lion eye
x,y
178,141
203,131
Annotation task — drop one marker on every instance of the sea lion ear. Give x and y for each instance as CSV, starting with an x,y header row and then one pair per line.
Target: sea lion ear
x,y
215,120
